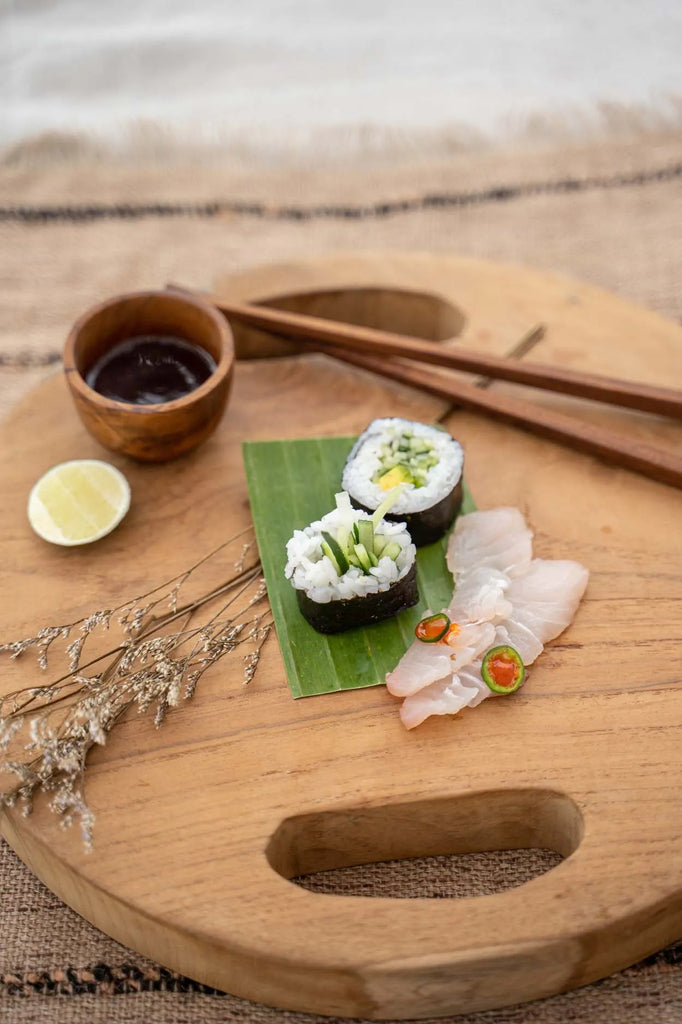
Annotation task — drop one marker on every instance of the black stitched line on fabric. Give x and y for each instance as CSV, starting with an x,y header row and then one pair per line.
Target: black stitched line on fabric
x,y
28,360
127,978
447,200
101,978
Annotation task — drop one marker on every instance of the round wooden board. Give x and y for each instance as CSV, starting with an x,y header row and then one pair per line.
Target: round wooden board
x,y
199,825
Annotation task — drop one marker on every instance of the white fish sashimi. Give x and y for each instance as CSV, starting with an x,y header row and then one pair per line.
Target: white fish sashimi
x,y
545,599
445,697
420,665
502,597
498,538
472,679
522,639
480,596
423,664
471,640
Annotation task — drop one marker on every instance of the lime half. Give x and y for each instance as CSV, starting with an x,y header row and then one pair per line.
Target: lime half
x,y
78,502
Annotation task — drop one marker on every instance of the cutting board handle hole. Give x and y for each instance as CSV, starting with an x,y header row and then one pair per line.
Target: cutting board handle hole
x,y
418,314
431,847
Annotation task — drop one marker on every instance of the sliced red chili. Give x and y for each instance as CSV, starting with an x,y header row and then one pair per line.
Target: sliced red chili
x,y
452,631
433,628
502,669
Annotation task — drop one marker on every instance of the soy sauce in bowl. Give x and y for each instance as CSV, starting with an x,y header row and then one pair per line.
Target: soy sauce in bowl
x,y
150,369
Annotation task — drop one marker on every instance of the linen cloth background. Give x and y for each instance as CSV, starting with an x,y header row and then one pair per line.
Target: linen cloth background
x,y
74,229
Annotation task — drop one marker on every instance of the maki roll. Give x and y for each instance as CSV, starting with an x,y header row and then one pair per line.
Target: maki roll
x,y
352,568
425,460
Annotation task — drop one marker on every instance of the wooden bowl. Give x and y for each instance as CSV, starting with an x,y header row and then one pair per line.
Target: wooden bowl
x,y
151,433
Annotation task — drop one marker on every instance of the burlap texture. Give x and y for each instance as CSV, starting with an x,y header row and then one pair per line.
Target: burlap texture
x,y
75,232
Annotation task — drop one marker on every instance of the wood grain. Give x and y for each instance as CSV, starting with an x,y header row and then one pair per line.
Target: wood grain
x,y
201,824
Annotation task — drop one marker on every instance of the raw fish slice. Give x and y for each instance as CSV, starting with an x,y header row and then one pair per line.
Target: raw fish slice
x,y
480,596
473,639
445,697
546,597
546,621
420,665
498,538
423,664
502,597
520,638
472,679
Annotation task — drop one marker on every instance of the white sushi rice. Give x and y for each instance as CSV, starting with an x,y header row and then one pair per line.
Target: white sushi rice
x,y
365,460
310,570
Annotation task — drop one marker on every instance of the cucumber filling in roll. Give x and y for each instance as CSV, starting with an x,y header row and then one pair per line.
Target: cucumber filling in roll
x,y
352,568
425,460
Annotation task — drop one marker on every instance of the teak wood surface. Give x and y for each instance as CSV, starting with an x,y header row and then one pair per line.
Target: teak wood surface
x,y
201,824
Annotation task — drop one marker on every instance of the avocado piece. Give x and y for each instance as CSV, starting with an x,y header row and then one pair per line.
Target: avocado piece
x,y
399,474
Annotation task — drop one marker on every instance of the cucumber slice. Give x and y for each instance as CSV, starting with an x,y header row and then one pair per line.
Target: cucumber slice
x,y
392,550
365,533
363,557
343,539
387,504
326,550
380,543
419,446
331,549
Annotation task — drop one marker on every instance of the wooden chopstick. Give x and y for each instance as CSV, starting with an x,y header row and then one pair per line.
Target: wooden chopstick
x,y
652,462
368,341
655,463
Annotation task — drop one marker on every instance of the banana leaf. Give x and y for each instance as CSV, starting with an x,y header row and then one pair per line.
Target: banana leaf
x,y
291,484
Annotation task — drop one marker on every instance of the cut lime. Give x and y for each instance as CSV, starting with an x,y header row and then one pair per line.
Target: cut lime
x,y
78,502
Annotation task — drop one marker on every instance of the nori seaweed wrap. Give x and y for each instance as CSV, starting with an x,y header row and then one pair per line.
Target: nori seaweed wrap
x,y
337,616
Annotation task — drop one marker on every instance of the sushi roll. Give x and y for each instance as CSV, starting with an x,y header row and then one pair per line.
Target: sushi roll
x,y
425,460
352,568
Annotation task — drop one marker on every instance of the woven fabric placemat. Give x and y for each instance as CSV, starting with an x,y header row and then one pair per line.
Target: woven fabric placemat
x,y
78,230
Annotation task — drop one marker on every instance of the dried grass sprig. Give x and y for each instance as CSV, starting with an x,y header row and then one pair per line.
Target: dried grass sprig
x,y
54,725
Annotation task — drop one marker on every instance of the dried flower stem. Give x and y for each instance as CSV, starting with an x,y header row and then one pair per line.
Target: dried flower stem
x,y
154,623
151,666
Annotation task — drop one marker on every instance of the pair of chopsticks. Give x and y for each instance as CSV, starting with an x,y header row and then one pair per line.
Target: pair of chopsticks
x,y
376,351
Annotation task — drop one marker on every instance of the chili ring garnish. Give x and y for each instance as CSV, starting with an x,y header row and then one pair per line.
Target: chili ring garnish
x,y
502,669
433,628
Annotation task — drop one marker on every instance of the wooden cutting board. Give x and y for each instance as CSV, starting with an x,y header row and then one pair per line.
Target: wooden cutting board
x,y
201,823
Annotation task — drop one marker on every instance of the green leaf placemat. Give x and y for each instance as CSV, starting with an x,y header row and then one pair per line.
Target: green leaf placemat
x,y
291,484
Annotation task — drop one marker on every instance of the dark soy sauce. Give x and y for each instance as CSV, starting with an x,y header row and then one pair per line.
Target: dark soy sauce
x,y
150,369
